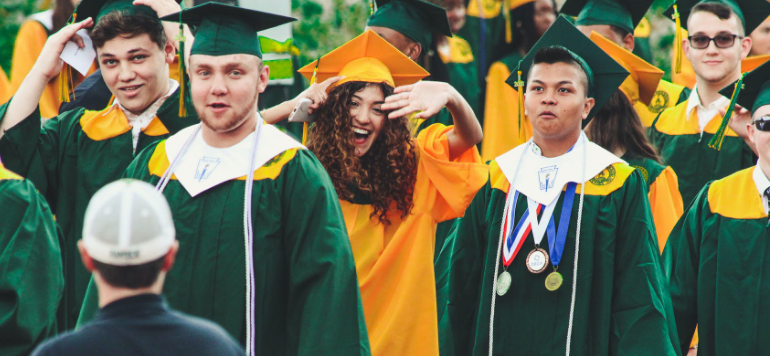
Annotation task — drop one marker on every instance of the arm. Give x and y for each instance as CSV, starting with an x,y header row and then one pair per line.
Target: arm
x,y
325,314
430,97
316,92
47,66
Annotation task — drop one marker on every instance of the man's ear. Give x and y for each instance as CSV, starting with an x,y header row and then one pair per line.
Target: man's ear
x,y
745,47
628,42
88,262
168,260
413,50
169,52
264,76
589,104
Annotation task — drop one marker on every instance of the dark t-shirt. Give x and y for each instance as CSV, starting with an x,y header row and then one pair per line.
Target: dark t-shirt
x,y
142,325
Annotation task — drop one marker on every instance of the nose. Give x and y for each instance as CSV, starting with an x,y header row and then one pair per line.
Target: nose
x,y
127,73
548,98
218,86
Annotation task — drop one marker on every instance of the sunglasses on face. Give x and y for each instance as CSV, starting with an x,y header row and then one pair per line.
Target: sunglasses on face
x,y
762,123
722,40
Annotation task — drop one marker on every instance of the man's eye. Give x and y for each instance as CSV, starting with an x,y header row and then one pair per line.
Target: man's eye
x,y
564,90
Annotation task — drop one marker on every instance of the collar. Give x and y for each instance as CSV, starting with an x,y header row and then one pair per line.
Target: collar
x,y
146,116
694,102
542,179
760,179
133,304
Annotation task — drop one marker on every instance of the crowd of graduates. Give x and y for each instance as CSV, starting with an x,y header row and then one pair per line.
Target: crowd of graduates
x,y
398,204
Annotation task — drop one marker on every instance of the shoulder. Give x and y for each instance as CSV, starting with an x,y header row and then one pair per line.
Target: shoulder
x,y
614,177
70,343
736,196
670,117
649,169
205,332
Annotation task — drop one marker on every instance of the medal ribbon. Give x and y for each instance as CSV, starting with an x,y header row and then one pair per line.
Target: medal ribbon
x,y
557,239
515,236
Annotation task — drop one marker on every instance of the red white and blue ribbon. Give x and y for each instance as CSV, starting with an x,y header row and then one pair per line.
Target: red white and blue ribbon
x,y
514,237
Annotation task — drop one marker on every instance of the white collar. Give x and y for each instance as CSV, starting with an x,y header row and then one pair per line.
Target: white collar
x,y
542,179
760,179
45,18
693,101
146,116
203,167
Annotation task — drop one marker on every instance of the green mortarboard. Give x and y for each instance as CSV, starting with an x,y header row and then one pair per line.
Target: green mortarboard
x,y
750,12
607,74
95,9
225,29
755,90
415,19
625,14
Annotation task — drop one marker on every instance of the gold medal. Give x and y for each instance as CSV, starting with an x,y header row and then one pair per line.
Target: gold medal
x,y
537,260
553,281
503,283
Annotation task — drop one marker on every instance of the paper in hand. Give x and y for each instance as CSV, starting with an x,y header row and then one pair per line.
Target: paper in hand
x,y
79,58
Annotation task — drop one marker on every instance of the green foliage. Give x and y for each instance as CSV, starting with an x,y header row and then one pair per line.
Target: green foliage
x,y
12,14
321,30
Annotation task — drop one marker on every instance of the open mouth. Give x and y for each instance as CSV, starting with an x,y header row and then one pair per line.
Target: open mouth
x,y
132,89
218,106
360,135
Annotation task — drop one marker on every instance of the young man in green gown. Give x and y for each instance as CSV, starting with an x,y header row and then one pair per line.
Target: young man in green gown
x,y
263,246
589,280
717,255
32,282
74,154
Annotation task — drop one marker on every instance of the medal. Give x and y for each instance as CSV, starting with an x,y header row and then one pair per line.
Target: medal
x,y
503,283
537,260
553,281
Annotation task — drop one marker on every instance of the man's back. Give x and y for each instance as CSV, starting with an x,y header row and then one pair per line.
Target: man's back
x,y
143,325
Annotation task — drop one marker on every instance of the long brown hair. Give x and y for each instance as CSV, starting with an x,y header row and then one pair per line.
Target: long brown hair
x,y
617,125
62,10
386,174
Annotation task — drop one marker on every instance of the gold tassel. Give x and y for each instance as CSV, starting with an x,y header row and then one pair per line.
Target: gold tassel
x,y
519,84
65,76
719,136
371,7
181,66
679,50
507,15
306,125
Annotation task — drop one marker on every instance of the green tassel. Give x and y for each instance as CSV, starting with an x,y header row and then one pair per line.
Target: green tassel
x,y
719,136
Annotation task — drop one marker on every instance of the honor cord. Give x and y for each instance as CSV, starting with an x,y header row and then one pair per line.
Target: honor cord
x,y
248,233
577,249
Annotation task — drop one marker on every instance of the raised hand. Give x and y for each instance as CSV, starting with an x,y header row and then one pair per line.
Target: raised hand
x,y
48,64
427,98
317,93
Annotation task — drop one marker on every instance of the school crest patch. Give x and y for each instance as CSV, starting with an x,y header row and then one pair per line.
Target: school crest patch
x,y
659,101
605,177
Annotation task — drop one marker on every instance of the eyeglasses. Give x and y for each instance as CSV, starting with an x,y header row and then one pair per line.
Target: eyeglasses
x,y
762,123
722,40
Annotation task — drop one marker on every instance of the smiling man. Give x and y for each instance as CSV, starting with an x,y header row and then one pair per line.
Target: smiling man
x,y
683,134
264,250
588,280
716,257
78,152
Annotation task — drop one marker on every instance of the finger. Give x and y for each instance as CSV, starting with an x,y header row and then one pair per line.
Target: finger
x,y
401,112
328,82
404,88
78,40
427,113
396,97
398,104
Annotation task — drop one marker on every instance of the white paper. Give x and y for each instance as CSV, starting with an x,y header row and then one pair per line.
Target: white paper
x,y
79,58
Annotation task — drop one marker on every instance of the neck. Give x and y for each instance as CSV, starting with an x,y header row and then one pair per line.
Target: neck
x,y
709,91
556,146
764,165
109,293
232,137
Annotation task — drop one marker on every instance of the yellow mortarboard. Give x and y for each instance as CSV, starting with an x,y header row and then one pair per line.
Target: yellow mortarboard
x,y
644,75
366,58
751,63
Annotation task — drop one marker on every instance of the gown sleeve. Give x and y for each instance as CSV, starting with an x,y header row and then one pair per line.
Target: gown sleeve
x,y
680,262
445,188
666,204
325,312
642,316
33,277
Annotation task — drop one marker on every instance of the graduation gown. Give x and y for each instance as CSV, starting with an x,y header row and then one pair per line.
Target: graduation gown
x,y
667,95
395,262
622,305
6,90
502,129
306,295
715,260
71,157
486,13
463,72
683,147
663,193
32,280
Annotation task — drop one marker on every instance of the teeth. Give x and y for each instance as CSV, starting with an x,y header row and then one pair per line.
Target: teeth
x,y
360,131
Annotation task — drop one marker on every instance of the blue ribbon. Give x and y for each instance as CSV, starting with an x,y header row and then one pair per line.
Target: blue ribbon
x,y
556,243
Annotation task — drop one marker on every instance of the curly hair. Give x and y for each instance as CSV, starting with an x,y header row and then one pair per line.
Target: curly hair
x,y
386,174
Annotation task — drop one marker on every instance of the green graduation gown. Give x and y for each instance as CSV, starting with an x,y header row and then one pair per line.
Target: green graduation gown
x,y
69,159
307,300
716,258
32,280
684,147
622,305
463,72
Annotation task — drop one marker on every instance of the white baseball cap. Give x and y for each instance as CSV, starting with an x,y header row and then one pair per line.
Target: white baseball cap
x,y
127,223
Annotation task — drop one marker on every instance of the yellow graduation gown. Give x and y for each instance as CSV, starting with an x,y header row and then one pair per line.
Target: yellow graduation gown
x,y
6,91
394,262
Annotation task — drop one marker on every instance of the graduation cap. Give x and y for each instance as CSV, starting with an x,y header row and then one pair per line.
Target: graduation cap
x,y
642,75
604,74
751,91
96,9
625,14
366,58
415,19
225,29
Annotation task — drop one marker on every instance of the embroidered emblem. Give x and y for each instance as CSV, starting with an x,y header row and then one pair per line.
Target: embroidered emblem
x,y
659,102
644,172
605,177
491,5
274,160
206,165
547,176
